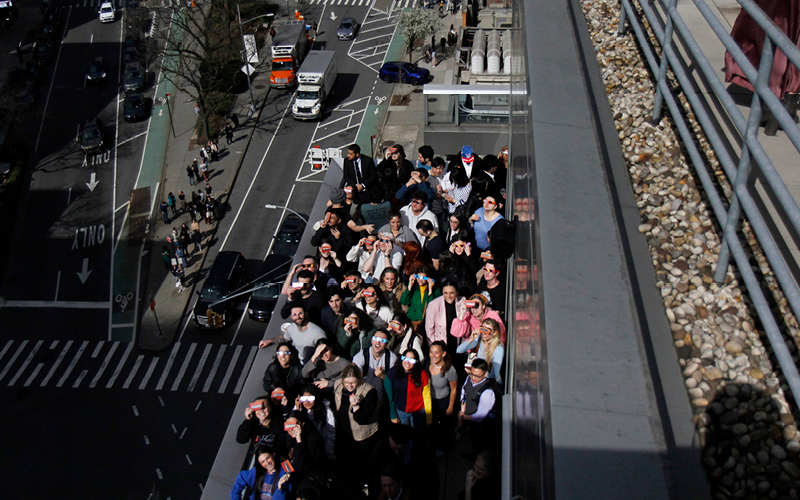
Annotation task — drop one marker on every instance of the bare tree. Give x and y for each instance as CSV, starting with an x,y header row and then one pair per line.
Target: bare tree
x,y
416,25
202,50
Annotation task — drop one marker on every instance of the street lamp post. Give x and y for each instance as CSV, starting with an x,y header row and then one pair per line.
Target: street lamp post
x,y
246,62
279,207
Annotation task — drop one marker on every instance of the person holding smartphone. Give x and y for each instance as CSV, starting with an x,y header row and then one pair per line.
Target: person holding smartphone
x,y
421,291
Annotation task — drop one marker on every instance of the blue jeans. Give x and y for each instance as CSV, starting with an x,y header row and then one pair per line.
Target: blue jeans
x,y
415,420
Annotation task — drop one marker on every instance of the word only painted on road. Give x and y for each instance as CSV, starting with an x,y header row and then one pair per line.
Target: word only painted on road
x,y
89,236
96,159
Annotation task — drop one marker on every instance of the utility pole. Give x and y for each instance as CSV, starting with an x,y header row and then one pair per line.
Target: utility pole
x,y
246,62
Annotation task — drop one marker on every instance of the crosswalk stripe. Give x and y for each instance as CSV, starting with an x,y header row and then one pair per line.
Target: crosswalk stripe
x,y
104,365
199,369
98,348
26,363
57,363
133,372
245,370
6,348
34,374
120,365
169,366
80,379
13,359
150,370
72,363
214,368
229,371
184,366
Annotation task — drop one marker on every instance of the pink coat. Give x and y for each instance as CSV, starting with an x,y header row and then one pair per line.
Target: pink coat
x,y
436,319
470,323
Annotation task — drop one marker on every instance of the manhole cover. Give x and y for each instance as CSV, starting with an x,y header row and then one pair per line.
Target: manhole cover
x,y
417,91
263,188
260,86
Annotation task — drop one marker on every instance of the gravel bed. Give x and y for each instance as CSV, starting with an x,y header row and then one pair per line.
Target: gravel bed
x,y
746,428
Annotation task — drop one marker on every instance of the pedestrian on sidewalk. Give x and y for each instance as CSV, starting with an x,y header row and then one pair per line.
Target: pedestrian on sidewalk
x,y
228,134
190,173
180,253
433,55
214,207
209,190
175,235
197,108
186,237
443,46
213,151
203,153
204,169
452,36
209,209
164,207
166,256
195,226
173,203
441,10
197,239
182,200
202,196
196,171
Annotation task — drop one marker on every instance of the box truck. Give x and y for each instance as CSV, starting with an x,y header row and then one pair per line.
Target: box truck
x,y
289,47
314,83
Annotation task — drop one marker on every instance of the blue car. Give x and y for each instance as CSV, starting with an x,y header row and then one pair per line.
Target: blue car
x,y
403,72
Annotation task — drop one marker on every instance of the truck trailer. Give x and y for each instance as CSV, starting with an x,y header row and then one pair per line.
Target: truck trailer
x,y
315,82
289,47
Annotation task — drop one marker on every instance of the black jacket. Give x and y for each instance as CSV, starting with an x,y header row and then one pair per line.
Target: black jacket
x,y
290,379
369,175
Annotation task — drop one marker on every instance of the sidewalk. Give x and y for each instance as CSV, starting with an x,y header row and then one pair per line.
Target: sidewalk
x,y
171,304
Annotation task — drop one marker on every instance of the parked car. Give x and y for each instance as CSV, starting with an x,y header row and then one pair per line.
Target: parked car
x,y
130,52
347,29
403,72
288,238
270,277
223,279
133,80
97,71
93,137
107,13
135,108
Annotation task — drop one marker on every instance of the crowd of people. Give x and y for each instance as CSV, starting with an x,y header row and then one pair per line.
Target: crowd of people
x,y
394,345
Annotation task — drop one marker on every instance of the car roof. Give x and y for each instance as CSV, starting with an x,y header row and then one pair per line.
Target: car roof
x,y
106,4
274,265
348,20
223,265
292,223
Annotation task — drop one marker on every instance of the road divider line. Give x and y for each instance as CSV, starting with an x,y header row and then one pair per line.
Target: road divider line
x,y
52,81
103,367
231,366
199,369
57,363
72,363
214,368
245,370
169,365
184,366
120,366
26,363
149,373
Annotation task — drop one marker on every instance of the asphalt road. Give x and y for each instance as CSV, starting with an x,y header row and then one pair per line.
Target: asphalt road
x,y
102,418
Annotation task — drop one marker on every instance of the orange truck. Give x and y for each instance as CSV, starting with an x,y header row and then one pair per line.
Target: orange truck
x,y
289,47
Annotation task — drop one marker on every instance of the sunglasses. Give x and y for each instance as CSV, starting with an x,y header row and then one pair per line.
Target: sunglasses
x,y
459,245
375,338
417,202
283,353
408,360
386,241
307,399
490,202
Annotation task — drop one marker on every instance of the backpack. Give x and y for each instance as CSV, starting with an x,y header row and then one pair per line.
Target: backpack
x,y
366,353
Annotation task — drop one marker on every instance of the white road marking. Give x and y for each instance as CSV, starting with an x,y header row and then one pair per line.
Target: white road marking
x,y
214,368
149,374
103,367
34,374
184,366
120,366
169,366
231,366
5,349
98,348
57,363
26,363
199,369
135,369
72,363
80,379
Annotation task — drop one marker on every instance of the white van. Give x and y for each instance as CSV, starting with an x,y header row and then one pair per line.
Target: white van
x,y
107,12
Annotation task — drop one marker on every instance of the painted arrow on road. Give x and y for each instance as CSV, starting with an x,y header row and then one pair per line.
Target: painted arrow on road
x,y
84,275
333,16
93,182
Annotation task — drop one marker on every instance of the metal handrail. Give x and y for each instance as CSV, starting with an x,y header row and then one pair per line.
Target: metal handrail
x,y
736,169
